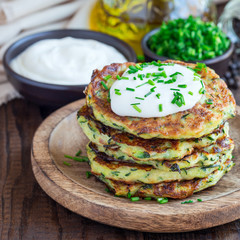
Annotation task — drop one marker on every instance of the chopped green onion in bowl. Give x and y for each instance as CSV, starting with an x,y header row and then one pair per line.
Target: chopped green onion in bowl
x,y
189,39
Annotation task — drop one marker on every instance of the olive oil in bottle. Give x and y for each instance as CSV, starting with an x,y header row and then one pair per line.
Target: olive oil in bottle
x,y
129,20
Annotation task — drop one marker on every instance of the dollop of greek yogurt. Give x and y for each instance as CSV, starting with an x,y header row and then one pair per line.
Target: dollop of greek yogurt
x,y
155,90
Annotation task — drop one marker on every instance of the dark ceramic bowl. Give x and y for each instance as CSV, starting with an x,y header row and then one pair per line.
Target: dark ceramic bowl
x,y
52,94
219,64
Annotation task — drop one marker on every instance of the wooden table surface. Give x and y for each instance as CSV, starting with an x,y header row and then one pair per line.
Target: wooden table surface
x,y
27,212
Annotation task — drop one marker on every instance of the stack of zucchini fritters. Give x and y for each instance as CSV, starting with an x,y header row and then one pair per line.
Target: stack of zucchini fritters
x,y
172,156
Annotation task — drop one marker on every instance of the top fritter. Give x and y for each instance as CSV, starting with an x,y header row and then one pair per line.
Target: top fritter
x,y
215,106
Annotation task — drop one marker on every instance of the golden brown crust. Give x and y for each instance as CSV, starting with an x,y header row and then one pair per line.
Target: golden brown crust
x,y
175,189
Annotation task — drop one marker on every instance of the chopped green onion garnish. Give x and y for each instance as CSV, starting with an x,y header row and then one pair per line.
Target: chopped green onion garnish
x,y
199,200
139,98
134,78
160,107
161,74
158,95
175,74
148,75
156,74
107,77
135,103
190,93
135,199
118,77
167,64
170,81
141,84
189,201
174,99
104,85
143,65
130,89
197,75
148,198
153,89
129,195
141,76
88,174
209,101
146,95
78,153
158,64
125,78
151,82
133,69
66,163
138,67
160,69
200,66
137,108
162,200
174,89
182,85
78,159
178,99
117,91
202,91
160,81
178,103
210,138
182,98
156,78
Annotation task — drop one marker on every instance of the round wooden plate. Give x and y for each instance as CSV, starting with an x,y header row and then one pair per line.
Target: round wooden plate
x,y
60,134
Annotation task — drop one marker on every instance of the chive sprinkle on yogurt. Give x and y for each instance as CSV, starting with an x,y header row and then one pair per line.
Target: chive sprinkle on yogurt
x,y
156,90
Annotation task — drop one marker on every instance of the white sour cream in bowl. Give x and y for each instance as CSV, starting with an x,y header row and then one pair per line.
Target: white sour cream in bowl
x,y
66,61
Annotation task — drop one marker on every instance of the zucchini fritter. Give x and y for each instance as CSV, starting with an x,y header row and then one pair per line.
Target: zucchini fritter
x,y
196,122
199,158
102,164
175,189
126,146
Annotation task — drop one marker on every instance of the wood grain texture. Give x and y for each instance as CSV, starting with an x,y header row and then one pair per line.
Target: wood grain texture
x,y
91,203
26,212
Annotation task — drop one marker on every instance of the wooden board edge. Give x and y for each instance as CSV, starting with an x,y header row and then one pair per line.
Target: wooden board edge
x,y
206,220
